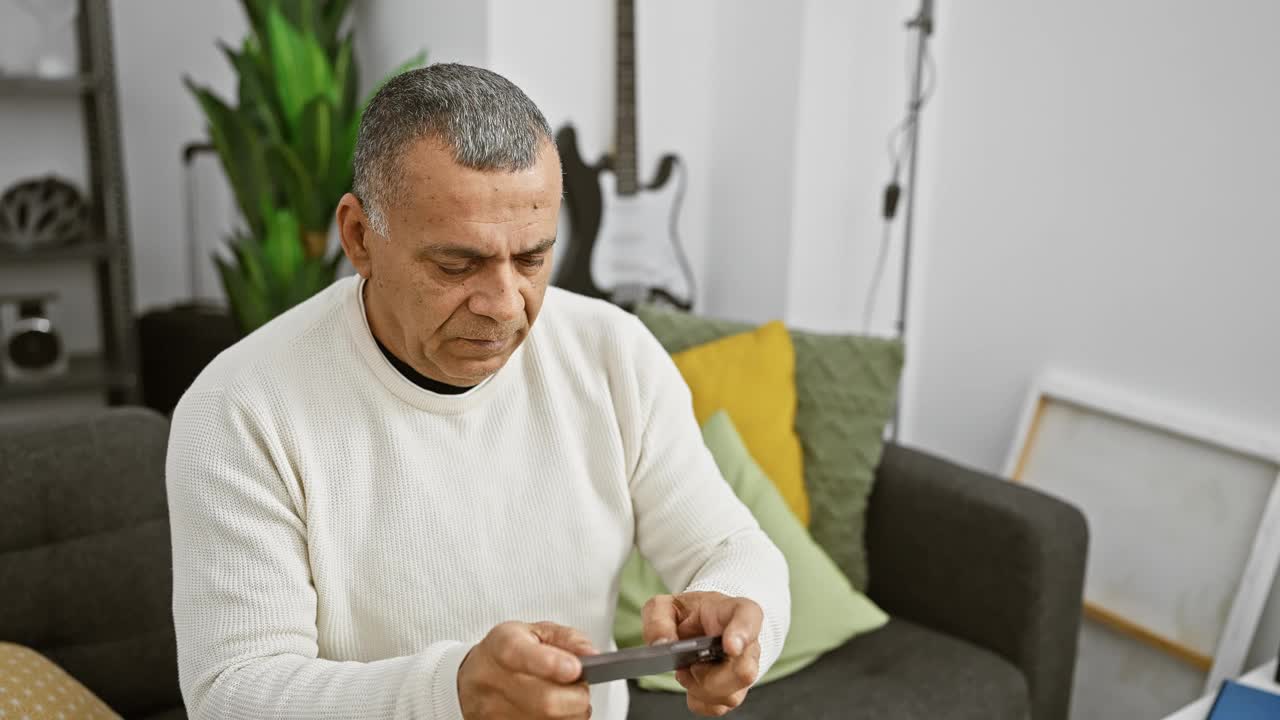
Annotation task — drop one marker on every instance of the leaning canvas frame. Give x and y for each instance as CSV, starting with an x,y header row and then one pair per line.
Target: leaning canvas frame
x,y
1260,567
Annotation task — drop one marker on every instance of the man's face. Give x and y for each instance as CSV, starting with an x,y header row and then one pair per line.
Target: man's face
x,y
456,287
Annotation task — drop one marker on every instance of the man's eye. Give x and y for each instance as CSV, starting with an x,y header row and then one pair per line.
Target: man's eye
x,y
532,262
455,271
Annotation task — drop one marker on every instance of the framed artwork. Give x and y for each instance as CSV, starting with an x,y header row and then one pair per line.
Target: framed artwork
x,y
1183,511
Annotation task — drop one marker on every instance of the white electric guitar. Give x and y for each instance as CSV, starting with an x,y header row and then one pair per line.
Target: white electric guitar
x,y
623,244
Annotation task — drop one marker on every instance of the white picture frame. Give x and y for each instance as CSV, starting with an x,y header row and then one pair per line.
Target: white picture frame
x,y
1094,415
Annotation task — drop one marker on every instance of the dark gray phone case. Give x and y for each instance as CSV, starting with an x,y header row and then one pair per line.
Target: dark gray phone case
x,y
639,661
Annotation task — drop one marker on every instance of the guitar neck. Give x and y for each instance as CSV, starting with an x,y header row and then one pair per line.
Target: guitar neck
x,y
624,157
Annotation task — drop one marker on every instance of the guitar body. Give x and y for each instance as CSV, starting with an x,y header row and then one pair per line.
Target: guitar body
x,y
637,242
622,248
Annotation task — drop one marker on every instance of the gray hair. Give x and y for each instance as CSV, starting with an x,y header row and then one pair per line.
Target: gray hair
x,y
488,123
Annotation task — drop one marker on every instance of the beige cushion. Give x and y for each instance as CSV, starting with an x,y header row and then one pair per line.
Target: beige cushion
x,y
31,686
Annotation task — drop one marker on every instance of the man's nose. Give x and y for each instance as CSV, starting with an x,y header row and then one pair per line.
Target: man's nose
x,y
497,294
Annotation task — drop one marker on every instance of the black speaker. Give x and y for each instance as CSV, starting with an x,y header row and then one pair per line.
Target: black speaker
x,y
31,350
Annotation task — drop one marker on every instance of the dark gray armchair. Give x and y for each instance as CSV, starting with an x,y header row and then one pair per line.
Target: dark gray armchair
x,y
983,579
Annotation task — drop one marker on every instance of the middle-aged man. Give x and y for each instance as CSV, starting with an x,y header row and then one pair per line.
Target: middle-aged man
x,y
406,499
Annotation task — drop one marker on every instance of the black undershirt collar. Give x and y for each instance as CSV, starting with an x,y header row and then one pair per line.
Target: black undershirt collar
x,y
418,378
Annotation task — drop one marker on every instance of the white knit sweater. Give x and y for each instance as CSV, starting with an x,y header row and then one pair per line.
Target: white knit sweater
x,y
342,537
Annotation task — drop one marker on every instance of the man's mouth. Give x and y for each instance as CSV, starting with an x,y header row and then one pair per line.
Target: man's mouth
x,y
489,344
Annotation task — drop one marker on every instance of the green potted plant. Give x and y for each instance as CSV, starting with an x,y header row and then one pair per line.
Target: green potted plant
x,y
286,147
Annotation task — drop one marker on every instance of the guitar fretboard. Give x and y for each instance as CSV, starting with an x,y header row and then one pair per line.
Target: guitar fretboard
x,y
624,156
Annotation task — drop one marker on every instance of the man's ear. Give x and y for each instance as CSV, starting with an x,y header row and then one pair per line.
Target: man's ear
x,y
356,233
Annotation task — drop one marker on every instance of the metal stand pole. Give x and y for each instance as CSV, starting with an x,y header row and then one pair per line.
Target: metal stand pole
x,y
923,25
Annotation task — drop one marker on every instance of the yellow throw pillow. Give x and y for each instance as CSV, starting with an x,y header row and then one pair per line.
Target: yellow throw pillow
x,y
31,686
752,377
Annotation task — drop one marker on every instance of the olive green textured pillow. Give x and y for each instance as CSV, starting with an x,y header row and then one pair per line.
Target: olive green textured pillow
x,y
845,389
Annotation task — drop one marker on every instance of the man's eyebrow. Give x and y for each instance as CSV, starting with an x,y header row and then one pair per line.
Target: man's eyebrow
x,y
452,251
465,253
541,247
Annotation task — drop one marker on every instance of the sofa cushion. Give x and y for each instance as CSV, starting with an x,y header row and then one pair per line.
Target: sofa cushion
x,y
84,554
845,390
901,671
752,377
33,687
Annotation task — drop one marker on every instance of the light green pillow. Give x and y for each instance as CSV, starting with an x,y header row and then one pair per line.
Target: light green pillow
x,y
825,609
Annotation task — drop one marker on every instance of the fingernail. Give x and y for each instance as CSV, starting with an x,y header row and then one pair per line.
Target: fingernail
x,y
660,641
739,642
568,666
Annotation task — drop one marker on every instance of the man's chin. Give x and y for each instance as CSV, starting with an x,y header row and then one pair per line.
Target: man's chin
x,y
471,370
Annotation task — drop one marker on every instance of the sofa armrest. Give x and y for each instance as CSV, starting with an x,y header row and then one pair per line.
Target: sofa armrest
x,y
977,557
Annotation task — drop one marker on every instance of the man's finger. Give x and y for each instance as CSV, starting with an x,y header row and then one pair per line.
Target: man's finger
x,y
719,682
691,626
564,637
659,618
741,620
521,651
706,709
533,697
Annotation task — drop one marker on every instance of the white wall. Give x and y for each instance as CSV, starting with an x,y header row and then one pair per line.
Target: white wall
x,y
1099,186
852,91
157,45
389,32
753,123
1103,190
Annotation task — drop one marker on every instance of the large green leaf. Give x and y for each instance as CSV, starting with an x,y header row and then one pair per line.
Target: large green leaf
x,y
240,151
249,304
347,82
282,250
330,22
299,187
256,91
247,251
302,71
315,139
257,11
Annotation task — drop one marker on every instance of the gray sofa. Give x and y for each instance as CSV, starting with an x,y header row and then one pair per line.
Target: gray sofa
x,y
983,579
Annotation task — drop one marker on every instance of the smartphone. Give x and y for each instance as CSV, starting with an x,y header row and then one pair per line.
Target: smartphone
x,y
651,660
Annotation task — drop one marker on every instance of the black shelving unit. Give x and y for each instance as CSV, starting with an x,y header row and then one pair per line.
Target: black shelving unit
x,y
113,371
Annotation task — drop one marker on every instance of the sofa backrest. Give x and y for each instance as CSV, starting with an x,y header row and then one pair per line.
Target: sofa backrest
x,y
85,569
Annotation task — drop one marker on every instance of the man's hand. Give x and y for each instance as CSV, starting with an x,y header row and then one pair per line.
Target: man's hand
x,y
525,671
713,689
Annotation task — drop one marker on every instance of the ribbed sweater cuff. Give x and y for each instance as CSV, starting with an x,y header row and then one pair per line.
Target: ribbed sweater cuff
x,y
444,683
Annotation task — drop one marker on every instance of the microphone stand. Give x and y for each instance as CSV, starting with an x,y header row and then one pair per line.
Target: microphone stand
x,y
922,23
